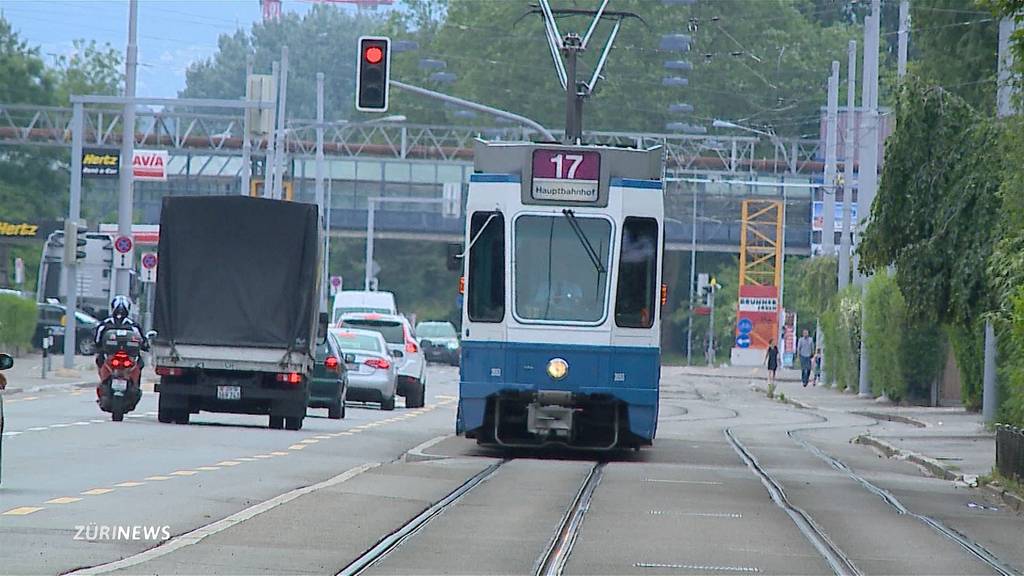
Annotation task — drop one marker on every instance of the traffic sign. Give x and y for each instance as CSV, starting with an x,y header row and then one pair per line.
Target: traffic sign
x,y
149,262
124,255
335,284
743,341
745,326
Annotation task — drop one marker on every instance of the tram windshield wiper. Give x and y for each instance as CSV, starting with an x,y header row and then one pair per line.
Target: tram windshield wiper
x,y
575,225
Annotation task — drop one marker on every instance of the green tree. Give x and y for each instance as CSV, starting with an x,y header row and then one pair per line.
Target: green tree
x,y
322,40
90,69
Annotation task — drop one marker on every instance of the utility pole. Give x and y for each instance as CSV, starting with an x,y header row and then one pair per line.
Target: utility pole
x,y
902,38
270,161
125,197
828,191
868,160
848,158
1004,108
693,275
710,352
319,186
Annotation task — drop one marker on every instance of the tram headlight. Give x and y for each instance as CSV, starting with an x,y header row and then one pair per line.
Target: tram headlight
x,y
558,368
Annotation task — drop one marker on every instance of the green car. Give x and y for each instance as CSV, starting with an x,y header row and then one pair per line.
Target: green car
x,y
329,384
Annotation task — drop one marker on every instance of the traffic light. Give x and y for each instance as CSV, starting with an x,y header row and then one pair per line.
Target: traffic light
x,y
372,73
74,241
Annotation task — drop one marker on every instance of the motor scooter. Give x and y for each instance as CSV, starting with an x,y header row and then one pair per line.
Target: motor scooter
x,y
120,387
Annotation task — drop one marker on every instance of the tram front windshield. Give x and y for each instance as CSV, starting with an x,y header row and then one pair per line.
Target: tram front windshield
x,y
558,277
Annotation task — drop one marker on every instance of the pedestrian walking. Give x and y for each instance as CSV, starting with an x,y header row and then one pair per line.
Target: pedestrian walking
x,y
817,367
805,349
771,358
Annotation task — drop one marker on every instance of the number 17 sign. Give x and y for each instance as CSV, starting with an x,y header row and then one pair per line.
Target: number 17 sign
x,y
566,175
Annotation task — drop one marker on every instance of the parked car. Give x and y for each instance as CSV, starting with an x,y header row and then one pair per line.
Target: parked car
x,y
350,301
401,341
440,342
372,374
52,316
328,386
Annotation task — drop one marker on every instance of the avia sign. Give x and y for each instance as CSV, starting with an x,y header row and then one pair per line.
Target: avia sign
x,y
150,165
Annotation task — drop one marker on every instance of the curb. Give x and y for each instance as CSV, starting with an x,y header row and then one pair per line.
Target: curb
x,y
891,418
417,454
787,400
933,466
1011,499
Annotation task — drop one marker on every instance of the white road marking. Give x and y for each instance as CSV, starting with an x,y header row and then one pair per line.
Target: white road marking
x,y
199,534
698,567
701,482
11,433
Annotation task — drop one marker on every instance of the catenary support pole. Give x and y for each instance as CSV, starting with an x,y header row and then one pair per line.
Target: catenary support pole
x,y
903,38
320,177
849,153
868,162
370,204
828,191
247,133
693,275
125,197
270,162
279,158
74,213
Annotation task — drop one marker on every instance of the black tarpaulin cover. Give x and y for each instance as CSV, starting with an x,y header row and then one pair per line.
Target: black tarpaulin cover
x,y
237,271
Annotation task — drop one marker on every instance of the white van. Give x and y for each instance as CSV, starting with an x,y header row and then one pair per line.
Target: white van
x,y
362,301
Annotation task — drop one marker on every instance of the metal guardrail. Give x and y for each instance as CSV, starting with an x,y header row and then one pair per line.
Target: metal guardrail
x,y
1010,451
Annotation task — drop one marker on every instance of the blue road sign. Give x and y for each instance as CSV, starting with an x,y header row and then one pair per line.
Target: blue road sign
x,y
743,341
745,326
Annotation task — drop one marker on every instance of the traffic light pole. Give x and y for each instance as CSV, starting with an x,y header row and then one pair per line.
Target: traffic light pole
x,y
74,213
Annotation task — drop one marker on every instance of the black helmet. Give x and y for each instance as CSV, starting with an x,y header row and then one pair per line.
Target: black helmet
x,y
120,307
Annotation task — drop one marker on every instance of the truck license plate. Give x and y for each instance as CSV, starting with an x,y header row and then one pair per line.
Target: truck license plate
x,y
229,392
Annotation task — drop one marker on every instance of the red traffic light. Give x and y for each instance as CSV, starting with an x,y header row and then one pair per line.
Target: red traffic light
x,y
373,54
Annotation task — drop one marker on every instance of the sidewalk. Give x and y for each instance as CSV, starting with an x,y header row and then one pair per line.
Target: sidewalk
x,y
26,375
950,441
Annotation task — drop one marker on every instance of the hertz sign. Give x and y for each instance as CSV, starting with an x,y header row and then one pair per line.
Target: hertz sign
x,y
22,230
101,163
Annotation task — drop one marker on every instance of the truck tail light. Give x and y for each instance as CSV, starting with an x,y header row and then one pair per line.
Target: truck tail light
x,y
331,363
378,363
168,371
290,378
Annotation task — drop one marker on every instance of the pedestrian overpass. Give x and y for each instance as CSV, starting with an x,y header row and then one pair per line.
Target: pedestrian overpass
x,y
707,177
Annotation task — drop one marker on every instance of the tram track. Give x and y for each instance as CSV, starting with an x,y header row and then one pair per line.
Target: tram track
x,y
552,561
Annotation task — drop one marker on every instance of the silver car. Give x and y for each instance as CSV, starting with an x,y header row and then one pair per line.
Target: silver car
x,y
372,374
406,353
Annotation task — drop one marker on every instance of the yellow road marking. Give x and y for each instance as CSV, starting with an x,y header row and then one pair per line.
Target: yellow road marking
x,y
184,473
63,500
207,468
297,447
158,478
279,453
22,511
129,484
26,400
322,437
346,433
246,459
96,491
228,463
263,456
309,441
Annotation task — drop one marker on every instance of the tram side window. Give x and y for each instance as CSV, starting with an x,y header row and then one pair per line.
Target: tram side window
x,y
638,274
486,289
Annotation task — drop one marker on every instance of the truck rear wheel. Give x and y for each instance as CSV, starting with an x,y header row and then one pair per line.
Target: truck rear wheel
x,y
293,423
276,422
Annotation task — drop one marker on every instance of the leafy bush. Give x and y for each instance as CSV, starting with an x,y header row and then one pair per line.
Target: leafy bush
x,y
17,321
841,325
1012,356
968,344
906,352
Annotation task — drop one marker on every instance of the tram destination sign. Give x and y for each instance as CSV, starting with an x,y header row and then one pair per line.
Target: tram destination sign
x,y
566,175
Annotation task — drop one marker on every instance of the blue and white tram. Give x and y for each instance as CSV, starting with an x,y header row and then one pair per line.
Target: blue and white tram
x,y
563,294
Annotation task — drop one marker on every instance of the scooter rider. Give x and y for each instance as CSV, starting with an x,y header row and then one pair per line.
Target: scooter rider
x,y
120,319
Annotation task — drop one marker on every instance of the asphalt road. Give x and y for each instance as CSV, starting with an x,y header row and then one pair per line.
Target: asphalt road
x,y
237,498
